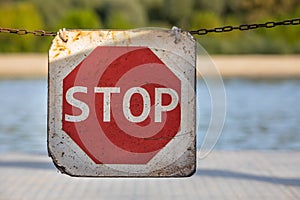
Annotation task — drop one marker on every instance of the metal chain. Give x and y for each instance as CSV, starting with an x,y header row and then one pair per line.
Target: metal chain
x,y
25,32
202,31
244,27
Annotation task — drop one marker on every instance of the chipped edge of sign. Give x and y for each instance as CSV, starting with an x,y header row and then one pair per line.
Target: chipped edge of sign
x,y
156,173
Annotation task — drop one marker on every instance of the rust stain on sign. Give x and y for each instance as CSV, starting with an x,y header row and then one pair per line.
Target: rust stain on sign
x,y
59,46
122,103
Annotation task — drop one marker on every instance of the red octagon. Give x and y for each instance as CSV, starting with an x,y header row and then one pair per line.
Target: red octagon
x,y
118,140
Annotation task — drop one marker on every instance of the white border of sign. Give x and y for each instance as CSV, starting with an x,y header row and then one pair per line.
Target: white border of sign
x,y
178,157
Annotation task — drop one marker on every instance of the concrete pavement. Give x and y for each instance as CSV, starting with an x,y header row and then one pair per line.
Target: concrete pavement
x,y
222,175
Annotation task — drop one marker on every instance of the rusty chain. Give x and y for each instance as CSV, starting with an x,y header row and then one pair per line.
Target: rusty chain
x,y
244,27
202,31
24,32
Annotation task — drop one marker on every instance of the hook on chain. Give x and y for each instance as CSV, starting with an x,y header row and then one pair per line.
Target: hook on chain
x,y
63,35
175,31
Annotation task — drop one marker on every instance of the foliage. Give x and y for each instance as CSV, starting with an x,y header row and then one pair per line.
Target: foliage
x,y
80,19
187,14
124,14
178,12
24,15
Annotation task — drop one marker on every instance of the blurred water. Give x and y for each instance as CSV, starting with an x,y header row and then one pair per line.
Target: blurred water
x,y
261,114
23,116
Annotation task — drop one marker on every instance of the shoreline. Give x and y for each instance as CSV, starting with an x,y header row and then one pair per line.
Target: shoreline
x,y
22,66
258,66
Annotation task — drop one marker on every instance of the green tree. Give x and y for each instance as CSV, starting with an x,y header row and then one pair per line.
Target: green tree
x,y
124,14
178,12
81,19
53,11
218,7
19,15
187,14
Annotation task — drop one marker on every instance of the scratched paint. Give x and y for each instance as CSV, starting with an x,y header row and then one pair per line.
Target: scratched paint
x,y
122,103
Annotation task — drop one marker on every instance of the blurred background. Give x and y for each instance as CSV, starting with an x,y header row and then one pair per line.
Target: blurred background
x,y
188,15
262,108
257,154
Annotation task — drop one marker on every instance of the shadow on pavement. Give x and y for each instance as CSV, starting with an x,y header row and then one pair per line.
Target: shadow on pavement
x,y
27,164
247,176
213,173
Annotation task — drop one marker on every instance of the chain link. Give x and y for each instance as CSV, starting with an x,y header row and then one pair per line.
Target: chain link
x,y
25,32
202,31
245,27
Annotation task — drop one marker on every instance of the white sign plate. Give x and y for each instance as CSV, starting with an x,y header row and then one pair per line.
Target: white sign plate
x,y
122,103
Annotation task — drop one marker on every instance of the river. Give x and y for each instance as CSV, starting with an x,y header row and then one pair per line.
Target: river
x,y
261,114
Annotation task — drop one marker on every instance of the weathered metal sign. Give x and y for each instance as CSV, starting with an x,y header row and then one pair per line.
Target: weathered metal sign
x,y
122,103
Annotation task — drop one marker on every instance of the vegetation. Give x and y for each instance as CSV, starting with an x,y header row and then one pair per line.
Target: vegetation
x,y
187,14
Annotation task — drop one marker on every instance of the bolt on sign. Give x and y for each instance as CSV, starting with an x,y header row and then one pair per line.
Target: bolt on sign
x,y
122,103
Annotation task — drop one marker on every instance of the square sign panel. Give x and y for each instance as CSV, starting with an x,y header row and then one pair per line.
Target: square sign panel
x,y
122,103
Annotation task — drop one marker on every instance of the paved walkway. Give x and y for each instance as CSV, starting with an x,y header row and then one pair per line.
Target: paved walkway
x,y
223,175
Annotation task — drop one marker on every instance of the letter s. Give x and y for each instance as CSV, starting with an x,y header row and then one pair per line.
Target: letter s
x,y
76,103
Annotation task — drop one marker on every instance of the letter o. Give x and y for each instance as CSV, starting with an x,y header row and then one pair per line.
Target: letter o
x,y
146,104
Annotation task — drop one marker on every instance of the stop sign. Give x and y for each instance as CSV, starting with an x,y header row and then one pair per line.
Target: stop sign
x,y
122,103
